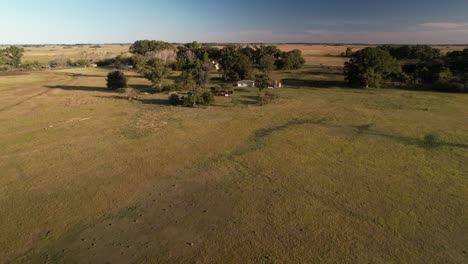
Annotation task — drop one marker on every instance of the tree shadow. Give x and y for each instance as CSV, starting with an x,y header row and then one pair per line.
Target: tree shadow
x,y
142,88
418,142
316,72
301,83
81,88
76,75
152,101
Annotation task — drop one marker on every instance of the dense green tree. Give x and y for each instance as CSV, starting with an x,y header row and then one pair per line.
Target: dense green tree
x,y
185,58
192,77
155,71
267,50
292,60
186,80
235,65
262,81
421,52
144,46
138,61
369,66
116,80
267,63
457,61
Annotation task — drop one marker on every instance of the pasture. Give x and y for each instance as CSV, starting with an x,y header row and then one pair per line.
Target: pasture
x,y
326,174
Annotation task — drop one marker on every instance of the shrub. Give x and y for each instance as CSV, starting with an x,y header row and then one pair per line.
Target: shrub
x,y
82,63
198,96
116,80
174,99
207,98
105,62
431,140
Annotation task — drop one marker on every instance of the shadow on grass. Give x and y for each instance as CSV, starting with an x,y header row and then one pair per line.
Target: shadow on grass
x,y
81,88
300,83
425,142
429,141
332,73
155,101
142,88
75,75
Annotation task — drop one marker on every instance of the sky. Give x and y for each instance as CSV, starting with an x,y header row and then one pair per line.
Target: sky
x,y
265,21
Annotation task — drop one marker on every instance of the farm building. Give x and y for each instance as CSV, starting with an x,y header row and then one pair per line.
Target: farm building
x,y
212,64
274,84
246,83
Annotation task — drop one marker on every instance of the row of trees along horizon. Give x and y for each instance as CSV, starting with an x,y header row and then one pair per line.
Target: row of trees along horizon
x,y
390,66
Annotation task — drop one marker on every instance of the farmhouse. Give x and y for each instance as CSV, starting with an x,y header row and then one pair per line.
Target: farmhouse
x,y
246,83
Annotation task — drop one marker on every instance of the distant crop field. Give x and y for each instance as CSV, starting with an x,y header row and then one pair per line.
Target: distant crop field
x,y
325,174
49,53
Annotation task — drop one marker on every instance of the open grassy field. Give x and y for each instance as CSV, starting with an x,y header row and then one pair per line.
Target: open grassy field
x,y
326,174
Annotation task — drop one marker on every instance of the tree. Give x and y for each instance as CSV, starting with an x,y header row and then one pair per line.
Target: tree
x,y
292,60
266,50
186,80
421,52
116,80
191,77
144,46
267,63
349,52
12,56
368,67
262,81
155,71
235,65
458,63
138,62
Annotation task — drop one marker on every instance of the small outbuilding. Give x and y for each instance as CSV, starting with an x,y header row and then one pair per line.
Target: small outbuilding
x,y
274,85
246,83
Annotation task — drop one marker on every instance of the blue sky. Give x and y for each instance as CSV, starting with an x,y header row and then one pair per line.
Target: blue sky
x,y
334,21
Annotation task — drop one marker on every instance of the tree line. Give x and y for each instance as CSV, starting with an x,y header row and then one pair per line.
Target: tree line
x,y
409,66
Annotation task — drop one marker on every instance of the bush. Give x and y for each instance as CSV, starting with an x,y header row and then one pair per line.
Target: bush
x,y
198,96
174,99
105,62
431,140
82,63
207,98
116,80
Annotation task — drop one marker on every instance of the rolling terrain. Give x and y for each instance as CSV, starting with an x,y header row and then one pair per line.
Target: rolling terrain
x,y
326,174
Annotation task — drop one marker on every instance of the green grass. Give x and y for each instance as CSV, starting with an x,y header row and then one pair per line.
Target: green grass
x,y
325,174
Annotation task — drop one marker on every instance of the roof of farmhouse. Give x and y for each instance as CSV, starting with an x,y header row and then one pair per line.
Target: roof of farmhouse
x,y
245,82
